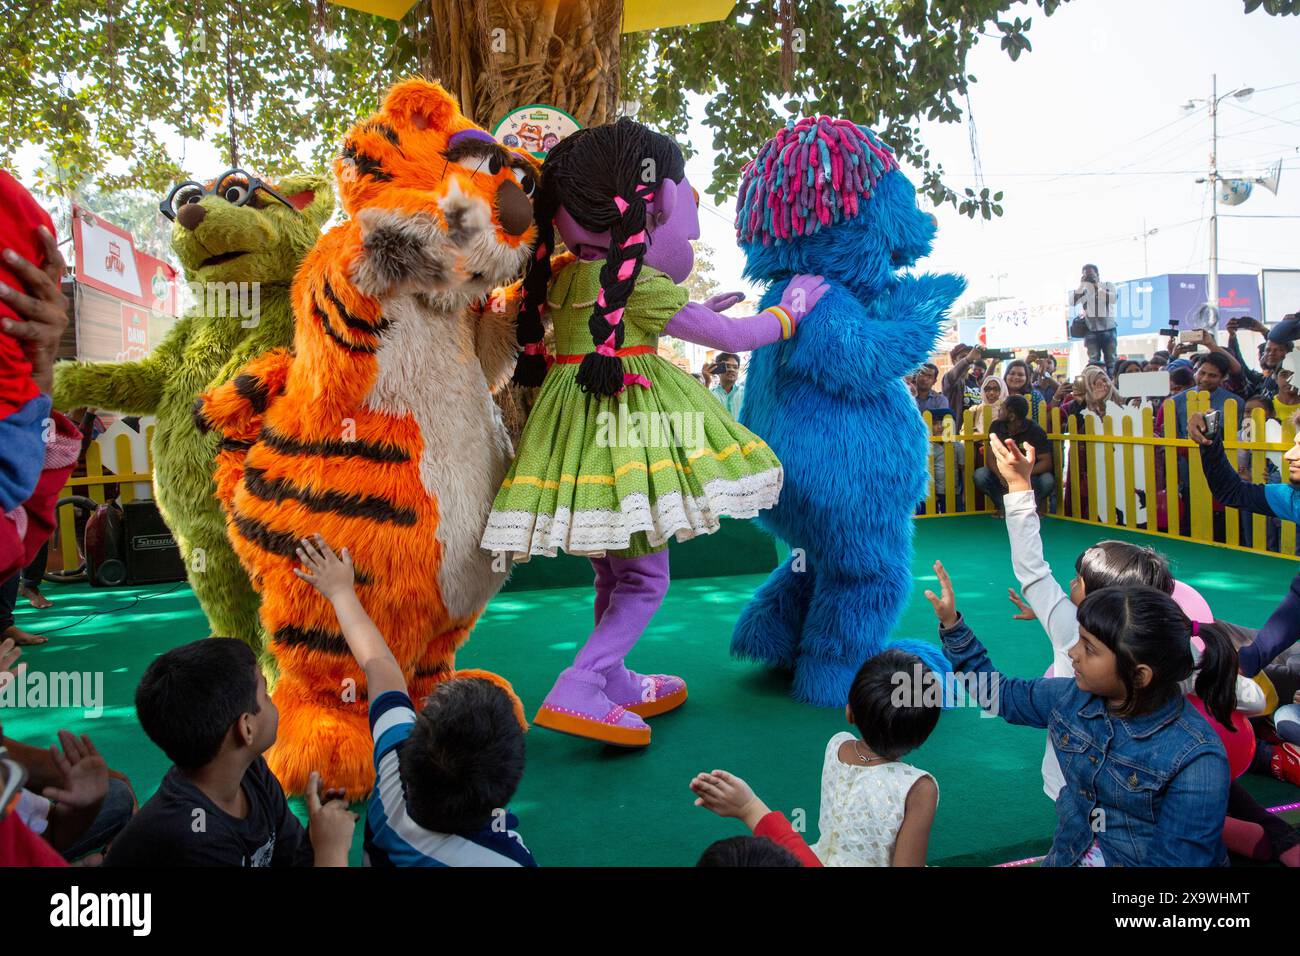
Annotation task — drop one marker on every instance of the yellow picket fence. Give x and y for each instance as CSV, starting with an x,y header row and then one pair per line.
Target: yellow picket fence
x,y
1079,495
1117,463
122,470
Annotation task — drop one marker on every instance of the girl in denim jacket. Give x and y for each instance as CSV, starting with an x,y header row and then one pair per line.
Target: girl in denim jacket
x,y
1146,778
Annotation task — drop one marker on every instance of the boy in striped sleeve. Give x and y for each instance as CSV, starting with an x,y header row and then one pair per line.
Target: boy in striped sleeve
x,y
443,776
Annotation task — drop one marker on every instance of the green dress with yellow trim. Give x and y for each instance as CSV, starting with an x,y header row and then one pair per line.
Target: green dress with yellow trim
x,y
623,474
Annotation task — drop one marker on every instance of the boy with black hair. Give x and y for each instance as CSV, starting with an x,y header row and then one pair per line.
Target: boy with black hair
x,y
442,777
206,707
747,851
1016,424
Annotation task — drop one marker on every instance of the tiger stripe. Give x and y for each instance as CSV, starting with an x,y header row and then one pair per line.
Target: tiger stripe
x,y
332,447
345,503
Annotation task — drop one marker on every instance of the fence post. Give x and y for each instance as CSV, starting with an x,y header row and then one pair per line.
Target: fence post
x,y
1130,474
1173,504
1231,520
968,450
1288,527
1149,467
1258,475
930,507
1200,501
949,468
1110,514
1076,449
1058,460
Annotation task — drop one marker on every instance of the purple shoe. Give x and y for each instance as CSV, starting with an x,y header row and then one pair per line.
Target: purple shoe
x,y
646,695
578,705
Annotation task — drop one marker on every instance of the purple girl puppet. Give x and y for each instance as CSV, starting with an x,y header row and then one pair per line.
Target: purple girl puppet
x,y
623,450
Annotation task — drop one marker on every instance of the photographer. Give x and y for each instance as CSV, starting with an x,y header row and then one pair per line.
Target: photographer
x,y
1044,366
1096,300
957,379
728,391
1271,354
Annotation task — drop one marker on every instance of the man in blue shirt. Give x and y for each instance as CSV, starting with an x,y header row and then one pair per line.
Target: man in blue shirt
x,y
927,400
1214,368
728,391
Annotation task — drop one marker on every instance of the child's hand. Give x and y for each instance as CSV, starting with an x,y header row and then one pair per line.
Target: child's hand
x,y
945,605
1026,612
83,771
728,796
329,573
330,824
1014,466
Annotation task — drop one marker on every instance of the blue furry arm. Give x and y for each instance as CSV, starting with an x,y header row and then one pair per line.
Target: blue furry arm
x,y
846,346
1014,699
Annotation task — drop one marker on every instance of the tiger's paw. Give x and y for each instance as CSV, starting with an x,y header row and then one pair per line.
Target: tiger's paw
x,y
332,740
403,253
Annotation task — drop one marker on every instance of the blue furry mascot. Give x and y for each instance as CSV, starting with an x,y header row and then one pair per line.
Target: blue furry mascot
x,y
827,197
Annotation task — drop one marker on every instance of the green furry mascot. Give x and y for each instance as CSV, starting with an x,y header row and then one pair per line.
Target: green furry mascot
x,y
240,241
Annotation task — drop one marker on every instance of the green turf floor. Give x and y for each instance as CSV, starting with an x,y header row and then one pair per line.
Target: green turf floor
x,y
582,804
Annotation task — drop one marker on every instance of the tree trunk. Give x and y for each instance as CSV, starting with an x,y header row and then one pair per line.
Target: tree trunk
x,y
497,55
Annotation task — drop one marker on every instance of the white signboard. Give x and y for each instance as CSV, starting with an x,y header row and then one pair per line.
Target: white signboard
x,y
109,258
1011,323
1281,291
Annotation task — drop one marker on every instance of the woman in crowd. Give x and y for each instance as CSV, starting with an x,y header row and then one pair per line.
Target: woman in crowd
x,y
1018,381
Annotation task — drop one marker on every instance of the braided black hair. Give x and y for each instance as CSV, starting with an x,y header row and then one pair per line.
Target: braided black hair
x,y
603,176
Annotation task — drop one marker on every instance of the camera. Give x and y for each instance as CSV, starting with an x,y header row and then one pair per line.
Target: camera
x,y
998,355
1213,422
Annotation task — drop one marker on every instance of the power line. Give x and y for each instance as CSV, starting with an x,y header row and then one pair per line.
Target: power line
x,y
1271,116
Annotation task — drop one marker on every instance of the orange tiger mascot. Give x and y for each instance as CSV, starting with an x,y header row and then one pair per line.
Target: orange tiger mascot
x,y
379,431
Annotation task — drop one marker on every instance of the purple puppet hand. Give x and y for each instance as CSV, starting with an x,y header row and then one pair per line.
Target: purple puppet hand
x,y
802,294
723,301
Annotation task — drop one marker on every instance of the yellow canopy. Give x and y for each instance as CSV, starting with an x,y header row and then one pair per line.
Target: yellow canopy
x,y
638,15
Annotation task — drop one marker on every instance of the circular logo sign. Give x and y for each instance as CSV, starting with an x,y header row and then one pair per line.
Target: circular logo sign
x,y
536,128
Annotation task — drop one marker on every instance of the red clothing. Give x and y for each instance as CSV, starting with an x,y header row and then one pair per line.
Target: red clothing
x,y
19,846
20,540
777,828
20,219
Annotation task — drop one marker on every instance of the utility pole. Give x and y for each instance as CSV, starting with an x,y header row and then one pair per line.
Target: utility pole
x,y
1214,198
1242,93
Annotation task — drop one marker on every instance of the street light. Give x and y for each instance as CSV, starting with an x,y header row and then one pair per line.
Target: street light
x,y
1146,234
1215,99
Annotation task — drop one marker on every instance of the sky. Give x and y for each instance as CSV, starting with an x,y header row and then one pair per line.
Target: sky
x,y
1086,137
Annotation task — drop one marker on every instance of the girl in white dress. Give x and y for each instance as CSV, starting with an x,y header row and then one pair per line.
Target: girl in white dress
x,y
875,809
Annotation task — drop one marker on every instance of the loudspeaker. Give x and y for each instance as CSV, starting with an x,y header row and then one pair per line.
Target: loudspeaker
x,y
152,556
105,553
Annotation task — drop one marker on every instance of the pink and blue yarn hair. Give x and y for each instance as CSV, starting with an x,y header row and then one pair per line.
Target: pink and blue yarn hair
x,y
812,174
